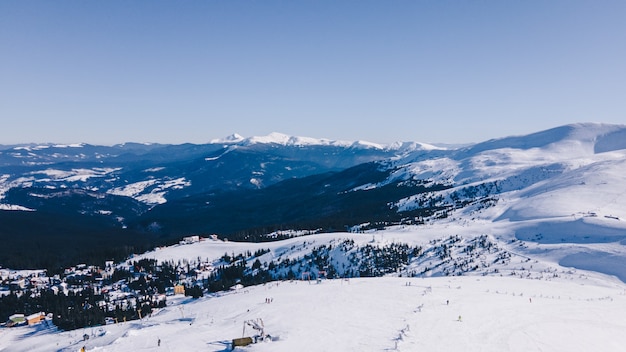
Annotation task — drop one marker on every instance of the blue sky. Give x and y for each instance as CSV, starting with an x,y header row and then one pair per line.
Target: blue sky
x,y
106,72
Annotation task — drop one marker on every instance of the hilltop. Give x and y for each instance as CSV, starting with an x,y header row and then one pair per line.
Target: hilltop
x,y
563,185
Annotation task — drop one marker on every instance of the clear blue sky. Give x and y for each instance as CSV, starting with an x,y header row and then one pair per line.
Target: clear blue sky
x,y
106,72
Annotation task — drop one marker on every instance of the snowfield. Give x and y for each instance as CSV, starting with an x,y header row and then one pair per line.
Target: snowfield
x,y
151,191
531,303
374,314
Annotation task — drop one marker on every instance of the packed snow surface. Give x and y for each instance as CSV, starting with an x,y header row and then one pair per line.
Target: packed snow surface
x,y
371,314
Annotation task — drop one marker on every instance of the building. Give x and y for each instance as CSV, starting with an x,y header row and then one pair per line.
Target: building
x,y
190,239
16,320
179,290
35,318
17,285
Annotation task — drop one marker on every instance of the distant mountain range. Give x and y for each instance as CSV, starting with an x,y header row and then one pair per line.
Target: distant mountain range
x,y
70,203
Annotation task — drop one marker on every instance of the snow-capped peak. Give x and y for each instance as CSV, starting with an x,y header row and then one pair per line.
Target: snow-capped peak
x,y
287,140
412,146
585,137
73,145
233,138
36,147
272,138
280,139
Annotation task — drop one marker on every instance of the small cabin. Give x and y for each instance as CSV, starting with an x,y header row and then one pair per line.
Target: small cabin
x,y
35,318
190,239
179,290
16,320
242,341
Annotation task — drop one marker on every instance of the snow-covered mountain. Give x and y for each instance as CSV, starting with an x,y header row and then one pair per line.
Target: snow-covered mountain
x,y
561,185
150,172
513,244
566,173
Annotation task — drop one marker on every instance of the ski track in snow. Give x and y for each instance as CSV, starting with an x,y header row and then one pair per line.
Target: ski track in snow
x,y
373,314
554,309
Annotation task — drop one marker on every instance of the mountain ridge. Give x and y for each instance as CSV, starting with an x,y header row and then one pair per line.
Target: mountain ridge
x,y
244,188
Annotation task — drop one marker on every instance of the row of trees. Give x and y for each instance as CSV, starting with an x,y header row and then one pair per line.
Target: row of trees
x,y
360,261
83,307
72,311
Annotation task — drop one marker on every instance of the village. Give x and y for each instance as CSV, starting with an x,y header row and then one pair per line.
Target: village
x,y
90,295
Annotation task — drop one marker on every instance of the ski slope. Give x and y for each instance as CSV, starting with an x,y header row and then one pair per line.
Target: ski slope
x,y
528,305
375,314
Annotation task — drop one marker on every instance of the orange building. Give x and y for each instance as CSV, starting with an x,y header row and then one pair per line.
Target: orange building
x,y
35,318
179,290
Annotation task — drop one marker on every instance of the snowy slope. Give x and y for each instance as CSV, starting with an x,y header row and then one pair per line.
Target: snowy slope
x,y
562,187
573,169
555,176
382,314
513,296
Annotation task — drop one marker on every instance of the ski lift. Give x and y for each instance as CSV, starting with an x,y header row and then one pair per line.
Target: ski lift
x,y
256,324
